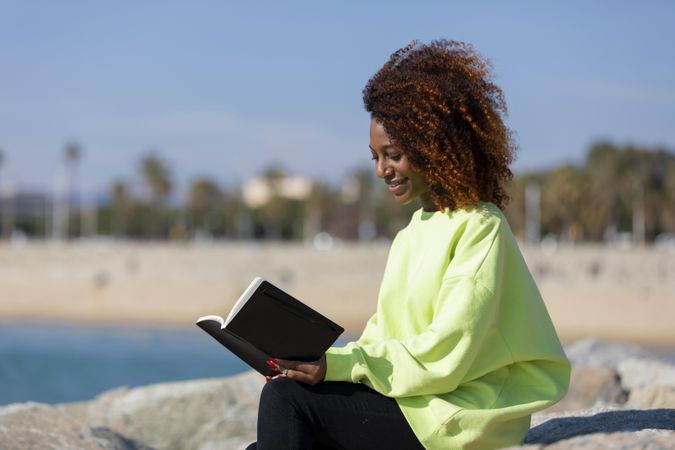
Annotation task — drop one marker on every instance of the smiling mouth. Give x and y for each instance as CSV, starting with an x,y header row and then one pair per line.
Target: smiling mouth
x,y
395,184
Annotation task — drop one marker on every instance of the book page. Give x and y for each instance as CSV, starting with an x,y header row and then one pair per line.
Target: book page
x,y
213,318
257,281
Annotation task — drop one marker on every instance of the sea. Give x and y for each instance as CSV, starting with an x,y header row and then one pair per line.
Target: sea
x,y
58,363
48,363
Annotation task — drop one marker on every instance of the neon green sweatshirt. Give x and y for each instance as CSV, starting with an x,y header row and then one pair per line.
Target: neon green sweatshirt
x,y
461,337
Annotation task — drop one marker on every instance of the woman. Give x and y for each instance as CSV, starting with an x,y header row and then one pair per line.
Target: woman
x,y
461,350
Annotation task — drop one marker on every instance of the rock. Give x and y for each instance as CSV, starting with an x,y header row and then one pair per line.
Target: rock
x,y
221,414
41,427
628,440
640,372
115,441
652,397
593,352
592,386
32,425
189,415
603,428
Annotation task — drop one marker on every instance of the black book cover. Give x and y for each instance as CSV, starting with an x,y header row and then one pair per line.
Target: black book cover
x,y
272,323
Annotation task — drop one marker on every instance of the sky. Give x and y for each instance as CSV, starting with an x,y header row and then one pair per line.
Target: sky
x,y
227,89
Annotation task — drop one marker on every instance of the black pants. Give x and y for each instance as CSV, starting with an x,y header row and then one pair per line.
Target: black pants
x,y
329,415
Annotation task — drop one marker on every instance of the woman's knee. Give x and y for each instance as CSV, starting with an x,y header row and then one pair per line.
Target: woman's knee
x,y
280,392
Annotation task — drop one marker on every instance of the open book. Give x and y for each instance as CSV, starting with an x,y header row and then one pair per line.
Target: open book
x,y
267,322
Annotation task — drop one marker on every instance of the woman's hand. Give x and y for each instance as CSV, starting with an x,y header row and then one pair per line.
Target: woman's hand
x,y
311,372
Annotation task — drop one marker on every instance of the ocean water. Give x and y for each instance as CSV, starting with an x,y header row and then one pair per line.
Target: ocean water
x,y
55,363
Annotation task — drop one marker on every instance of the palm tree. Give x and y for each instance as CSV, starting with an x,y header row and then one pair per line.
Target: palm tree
x,y
157,177
2,199
122,205
562,198
273,212
365,203
602,211
313,211
73,154
64,193
204,196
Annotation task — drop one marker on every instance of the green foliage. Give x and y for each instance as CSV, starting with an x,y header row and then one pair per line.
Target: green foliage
x,y
204,205
615,186
157,177
73,152
614,190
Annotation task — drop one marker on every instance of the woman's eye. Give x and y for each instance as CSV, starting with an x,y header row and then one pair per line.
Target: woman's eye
x,y
395,156
374,157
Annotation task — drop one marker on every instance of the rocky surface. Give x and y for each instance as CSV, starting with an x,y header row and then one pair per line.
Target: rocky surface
x,y
603,428
621,397
642,372
202,414
29,426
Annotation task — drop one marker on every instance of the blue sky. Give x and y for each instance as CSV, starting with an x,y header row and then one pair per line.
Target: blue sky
x,y
225,89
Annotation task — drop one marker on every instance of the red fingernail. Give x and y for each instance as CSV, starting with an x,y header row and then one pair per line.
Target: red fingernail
x,y
267,379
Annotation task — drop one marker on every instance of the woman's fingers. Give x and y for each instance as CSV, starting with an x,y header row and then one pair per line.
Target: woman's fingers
x,y
304,367
308,372
298,366
309,378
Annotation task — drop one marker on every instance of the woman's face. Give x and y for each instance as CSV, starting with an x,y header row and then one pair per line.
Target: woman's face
x,y
391,164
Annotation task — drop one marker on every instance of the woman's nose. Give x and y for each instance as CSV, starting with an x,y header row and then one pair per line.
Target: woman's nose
x,y
382,169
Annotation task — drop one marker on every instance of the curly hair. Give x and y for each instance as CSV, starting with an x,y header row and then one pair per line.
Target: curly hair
x,y
438,104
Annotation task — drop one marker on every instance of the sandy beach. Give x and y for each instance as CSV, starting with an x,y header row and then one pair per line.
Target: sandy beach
x,y
618,294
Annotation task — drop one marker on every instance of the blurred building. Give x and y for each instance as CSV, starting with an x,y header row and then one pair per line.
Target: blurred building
x,y
258,191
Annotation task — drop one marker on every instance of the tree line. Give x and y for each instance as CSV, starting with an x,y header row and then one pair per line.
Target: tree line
x,y
617,191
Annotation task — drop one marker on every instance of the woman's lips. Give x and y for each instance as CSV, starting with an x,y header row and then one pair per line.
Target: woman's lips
x,y
396,185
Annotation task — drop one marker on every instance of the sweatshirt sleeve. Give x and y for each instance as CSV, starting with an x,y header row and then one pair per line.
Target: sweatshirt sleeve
x,y
432,362
437,359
